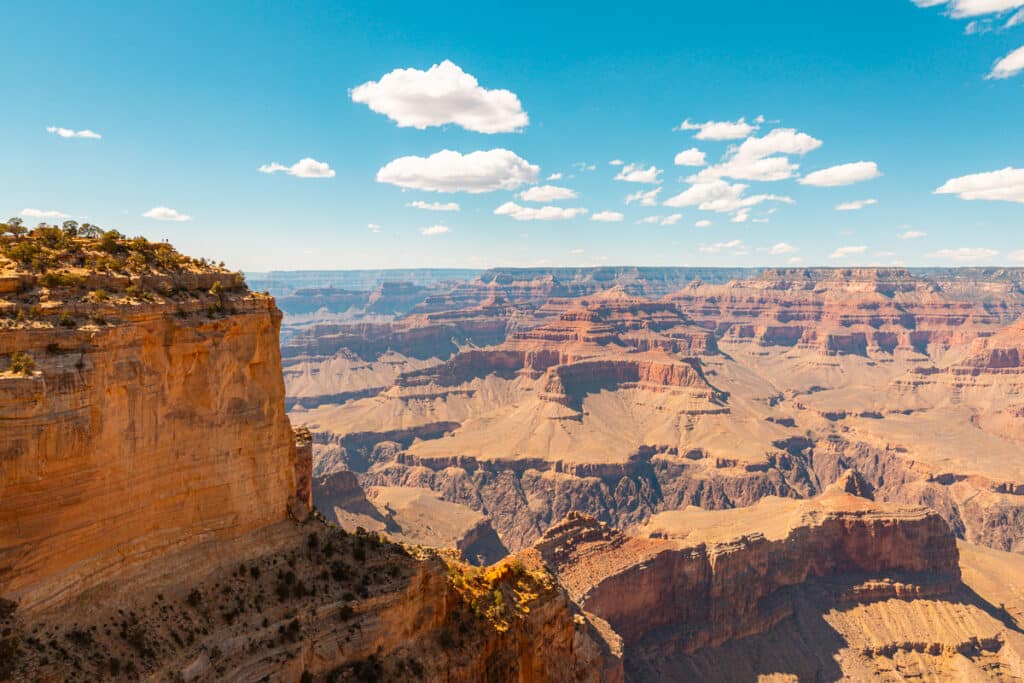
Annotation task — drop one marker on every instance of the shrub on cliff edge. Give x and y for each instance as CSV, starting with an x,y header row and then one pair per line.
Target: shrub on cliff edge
x,y
22,363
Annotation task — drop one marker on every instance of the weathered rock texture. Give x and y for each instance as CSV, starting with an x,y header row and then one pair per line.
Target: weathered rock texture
x,y
699,584
137,438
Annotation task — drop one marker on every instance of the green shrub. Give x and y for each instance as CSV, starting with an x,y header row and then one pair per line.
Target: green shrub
x,y
22,363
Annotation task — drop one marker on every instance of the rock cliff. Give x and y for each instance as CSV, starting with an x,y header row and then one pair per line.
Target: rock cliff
x,y
695,583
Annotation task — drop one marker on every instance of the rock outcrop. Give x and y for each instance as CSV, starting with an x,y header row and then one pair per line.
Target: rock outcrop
x,y
154,502
149,419
697,583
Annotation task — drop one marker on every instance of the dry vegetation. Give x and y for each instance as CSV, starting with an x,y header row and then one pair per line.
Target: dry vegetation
x,y
72,277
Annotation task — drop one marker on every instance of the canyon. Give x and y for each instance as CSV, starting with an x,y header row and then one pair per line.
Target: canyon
x,y
537,475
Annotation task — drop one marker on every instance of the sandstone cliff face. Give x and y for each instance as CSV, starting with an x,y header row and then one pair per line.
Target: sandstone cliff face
x,y
698,579
136,438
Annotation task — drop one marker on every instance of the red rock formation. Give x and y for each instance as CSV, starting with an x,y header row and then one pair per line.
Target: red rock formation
x,y
711,577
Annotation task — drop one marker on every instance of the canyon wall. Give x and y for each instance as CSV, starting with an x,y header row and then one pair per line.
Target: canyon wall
x,y
158,429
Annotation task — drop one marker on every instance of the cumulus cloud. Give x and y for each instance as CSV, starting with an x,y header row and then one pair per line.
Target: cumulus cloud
x,y
40,213
719,130
671,219
703,223
691,157
965,254
843,174
855,205
434,230
734,247
373,227
960,9
782,248
442,94
554,176
163,213
759,158
843,252
448,171
636,173
1010,65
649,198
1006,185
303,168
616,162
912,234
721,197
547,193
607,217
70,133
434,206
544,213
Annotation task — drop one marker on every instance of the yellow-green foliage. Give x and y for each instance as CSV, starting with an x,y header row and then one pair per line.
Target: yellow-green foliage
x,y
502,592
22,363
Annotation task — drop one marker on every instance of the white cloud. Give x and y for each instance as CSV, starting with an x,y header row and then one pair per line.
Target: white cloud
x,y
843,252
782,248
442,94
39,213
576,252
843,174
733,246
912,235
554,176
616,162
1015,20
635,173
448,171
1010,65
719,130
778,141
1017,255
855,205
740,216
607,217
960,9
162,213
434,230
69,133
671,219
583,166
547,193
649,198
965,254
691,157
757,158
703,224
373,227
304,168
1005,185
721,197
434,206
544,213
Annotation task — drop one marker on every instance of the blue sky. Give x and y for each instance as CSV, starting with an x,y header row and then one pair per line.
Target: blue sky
x,y
192,99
